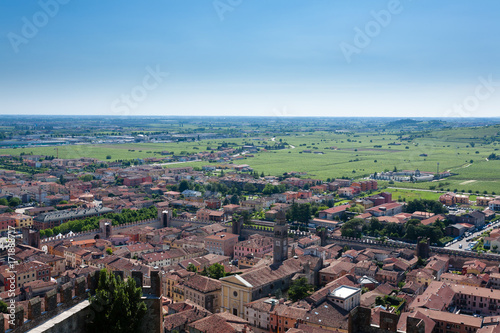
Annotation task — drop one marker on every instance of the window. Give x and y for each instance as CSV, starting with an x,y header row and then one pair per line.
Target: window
x,y
235,294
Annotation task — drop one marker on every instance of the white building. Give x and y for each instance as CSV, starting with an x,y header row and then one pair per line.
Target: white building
x,y
346,297
494,205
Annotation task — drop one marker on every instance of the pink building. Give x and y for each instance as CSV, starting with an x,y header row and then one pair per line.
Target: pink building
x,y
256,245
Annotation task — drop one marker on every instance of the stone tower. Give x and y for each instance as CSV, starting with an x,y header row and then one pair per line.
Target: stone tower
x,y
280,246
164,216
236,226
423,248
105,228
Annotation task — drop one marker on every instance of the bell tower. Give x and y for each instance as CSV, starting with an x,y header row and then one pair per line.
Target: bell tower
x,y
280,246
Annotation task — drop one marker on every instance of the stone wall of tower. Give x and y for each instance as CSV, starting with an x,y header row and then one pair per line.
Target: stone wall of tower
x,y
280,244
164,215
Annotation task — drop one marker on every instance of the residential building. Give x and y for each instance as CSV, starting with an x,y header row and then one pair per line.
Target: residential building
x,y
256,245
31,271
57,263
221,243
7,220
258,312
54,219
204,291
494,205
389,209
336,269
452,322
309,241
284,317
23,220
334,212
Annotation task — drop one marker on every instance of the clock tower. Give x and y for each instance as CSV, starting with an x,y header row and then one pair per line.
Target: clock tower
x,y
280,245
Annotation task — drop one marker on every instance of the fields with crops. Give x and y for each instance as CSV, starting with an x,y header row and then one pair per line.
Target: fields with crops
x,y
463,151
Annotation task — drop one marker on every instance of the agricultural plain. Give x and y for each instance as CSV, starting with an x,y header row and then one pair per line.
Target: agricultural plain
x,y
333,154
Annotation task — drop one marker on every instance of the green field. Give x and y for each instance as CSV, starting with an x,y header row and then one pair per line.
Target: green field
x,y
353,155
408,195
118,151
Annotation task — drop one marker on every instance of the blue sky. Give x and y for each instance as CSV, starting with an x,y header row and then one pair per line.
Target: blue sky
x,y
250,57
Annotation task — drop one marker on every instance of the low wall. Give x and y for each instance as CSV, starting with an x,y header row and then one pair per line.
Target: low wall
x,y
364,243
90,234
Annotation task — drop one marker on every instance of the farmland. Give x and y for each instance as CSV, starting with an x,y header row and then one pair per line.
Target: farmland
x,y
334,154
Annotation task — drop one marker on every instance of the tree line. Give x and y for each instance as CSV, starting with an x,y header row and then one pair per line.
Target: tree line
x,y
91,223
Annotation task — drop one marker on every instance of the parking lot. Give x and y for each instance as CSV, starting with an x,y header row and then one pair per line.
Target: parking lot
x,y
465,240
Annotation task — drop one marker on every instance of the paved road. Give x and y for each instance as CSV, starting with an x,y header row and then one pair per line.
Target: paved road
x,y
464,242
423,190
415,189
174,162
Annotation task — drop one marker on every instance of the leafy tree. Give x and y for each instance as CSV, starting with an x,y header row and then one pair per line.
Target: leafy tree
x,y
421,262
192,268
86,178
268,189
14,202
184,185
215,271
425,205
235,200
299,212
247,218
357,209
352,228
300,289
48,233
4,202
117,305
109,251
3,307
250,188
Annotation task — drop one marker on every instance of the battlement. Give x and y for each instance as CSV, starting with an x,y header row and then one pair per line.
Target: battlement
x,y
360,322
93,232
74,298
433,249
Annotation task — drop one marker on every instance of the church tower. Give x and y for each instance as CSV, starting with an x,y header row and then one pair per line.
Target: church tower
x,y
280,246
